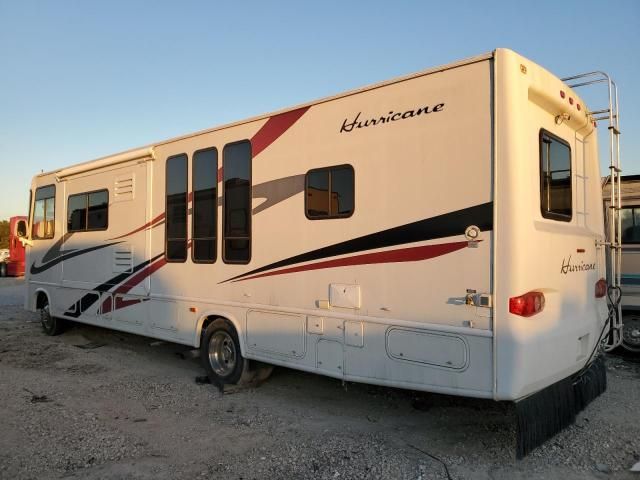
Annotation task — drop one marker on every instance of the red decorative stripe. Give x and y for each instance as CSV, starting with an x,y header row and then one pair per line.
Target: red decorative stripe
x,y
135,280
412,254
274,128
132,282
152,223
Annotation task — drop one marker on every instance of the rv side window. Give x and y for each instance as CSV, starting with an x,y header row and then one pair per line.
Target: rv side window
x,y
236,168
176,210
555,177
329,192
44,213
204,183
630,219
88,211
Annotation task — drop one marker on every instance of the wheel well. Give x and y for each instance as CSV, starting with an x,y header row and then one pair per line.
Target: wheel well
x,y
41,300
209,320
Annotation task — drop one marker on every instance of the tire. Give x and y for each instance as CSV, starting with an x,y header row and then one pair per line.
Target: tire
x,y
3,269
50,325
631,332
221,356
262,372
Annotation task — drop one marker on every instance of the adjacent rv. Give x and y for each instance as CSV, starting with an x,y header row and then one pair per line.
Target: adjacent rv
x,y
630,258
13,264
441,232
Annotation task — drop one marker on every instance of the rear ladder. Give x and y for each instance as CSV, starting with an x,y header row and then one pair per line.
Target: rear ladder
x,y
613,242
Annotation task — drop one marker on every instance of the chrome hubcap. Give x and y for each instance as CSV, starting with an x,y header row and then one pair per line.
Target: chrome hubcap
x,y
222,353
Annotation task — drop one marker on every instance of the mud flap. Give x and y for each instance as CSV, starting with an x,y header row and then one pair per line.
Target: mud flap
x,y
543,414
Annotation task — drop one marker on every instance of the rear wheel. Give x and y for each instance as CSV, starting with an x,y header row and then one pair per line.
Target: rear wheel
x,y
3,269
221,356
50,324
631,332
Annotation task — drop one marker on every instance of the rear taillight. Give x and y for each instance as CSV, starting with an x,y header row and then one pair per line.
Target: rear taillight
x,y
528,304
601,288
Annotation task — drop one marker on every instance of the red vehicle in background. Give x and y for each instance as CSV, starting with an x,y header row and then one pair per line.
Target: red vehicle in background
x,y
13,265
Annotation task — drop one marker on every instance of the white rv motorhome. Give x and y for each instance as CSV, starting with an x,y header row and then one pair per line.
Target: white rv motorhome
x,y
441,232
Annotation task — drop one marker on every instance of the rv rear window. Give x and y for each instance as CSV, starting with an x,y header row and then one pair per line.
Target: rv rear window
x,y
555,177
329,192
176,211
88,211
44,213
236,167
630,219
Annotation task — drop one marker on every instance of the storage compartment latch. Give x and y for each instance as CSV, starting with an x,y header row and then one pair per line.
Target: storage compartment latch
x,y
478,299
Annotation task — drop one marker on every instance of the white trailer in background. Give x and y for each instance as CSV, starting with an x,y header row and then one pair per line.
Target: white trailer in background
x,y
630,259
440,232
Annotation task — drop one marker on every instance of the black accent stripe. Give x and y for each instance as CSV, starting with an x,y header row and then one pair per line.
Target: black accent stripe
x,y
66,256
441,226
90,298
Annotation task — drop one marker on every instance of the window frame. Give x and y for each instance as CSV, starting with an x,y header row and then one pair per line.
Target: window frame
x,y
547,213
224,207
193,208
633,208
87,229
35,199
166,210
306,196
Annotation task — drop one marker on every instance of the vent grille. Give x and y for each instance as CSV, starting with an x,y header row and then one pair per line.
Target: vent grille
x,y
125,187
122,259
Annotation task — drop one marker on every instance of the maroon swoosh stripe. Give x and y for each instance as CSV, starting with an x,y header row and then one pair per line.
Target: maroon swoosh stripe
x,y
132,282
411,254
271,131
274,128
153,223
135,280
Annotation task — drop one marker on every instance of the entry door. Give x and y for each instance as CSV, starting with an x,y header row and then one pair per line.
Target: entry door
x,y
109,256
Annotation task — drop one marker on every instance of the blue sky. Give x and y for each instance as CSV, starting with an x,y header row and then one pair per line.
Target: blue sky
x,y
80,80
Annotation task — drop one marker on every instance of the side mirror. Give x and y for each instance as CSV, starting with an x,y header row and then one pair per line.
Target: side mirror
x,y
21,229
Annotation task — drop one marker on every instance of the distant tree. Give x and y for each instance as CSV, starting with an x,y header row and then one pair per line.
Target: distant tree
x,y
4,234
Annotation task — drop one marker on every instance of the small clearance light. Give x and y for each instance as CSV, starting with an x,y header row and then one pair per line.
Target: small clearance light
x,y
601,288
527,305
561,93
570,101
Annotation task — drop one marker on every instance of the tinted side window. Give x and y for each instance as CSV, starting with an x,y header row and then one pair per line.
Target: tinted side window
x,y
205,196
630,219
98,212
44,213
88,211
555,177
77,213
329,192
176,212
237,202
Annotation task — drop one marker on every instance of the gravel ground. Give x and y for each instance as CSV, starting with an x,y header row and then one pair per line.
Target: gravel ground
x,y
130,408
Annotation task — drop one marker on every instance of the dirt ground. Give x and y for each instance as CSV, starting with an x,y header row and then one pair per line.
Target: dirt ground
x,y
94,403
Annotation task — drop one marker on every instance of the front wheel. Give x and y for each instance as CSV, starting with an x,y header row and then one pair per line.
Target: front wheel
x,y
221,356
3,269
50,324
